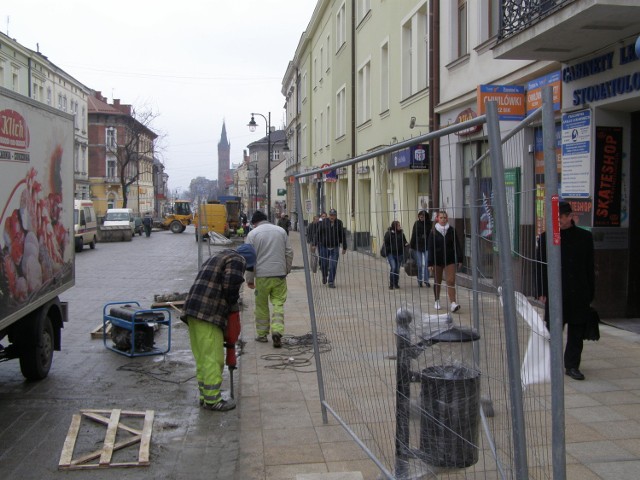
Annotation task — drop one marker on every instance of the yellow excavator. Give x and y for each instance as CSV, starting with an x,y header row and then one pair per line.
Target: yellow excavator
x,y
178,220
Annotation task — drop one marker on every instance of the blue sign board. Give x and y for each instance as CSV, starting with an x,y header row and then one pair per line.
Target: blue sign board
x,y
416,157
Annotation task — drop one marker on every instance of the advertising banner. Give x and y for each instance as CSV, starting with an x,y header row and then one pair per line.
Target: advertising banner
x,y
510,99
608,176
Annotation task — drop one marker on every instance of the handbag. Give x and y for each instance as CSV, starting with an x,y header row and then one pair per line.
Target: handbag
x,y
383,251
411,266
592,329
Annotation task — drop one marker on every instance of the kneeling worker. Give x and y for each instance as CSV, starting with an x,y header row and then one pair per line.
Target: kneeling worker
x,y
210,304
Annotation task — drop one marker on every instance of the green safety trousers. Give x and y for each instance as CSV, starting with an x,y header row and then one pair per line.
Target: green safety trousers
x,y
207,345
274,290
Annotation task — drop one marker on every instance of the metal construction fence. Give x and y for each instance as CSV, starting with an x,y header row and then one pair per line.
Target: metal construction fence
x,y
429,392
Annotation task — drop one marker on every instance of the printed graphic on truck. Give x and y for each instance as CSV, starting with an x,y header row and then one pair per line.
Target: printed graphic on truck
x,y
35,257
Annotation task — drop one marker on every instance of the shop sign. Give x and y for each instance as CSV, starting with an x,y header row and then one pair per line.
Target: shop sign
x,y
510,100
608,177
416,157
466,115
534,91
281,192
576,154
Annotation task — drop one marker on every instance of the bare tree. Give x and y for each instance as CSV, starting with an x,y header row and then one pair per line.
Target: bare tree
x,y
136,151
202,188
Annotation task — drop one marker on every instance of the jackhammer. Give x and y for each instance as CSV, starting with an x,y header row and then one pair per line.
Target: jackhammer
x,y
231,336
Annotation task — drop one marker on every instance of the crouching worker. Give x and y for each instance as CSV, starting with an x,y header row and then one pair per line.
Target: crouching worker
x,y
212,299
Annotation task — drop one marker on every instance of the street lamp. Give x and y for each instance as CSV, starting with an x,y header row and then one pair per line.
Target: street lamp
x,y
252,128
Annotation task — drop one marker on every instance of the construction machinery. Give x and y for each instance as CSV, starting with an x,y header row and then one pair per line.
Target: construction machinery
x,y
179,217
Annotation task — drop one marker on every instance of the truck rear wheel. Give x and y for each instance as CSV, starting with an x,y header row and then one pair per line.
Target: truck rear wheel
x,y
36,353
79,244
176,227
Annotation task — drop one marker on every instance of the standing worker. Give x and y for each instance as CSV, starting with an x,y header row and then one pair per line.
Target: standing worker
x,y
578,284
418,243
285,223
274,257
445,257
212,302
330,235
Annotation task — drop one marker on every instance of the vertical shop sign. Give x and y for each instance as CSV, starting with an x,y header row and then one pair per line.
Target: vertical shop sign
x,y
576,154
607,188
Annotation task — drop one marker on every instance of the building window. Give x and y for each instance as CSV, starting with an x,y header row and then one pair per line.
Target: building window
x,y
363,8
494,17
384,78
414,53
303,87
1,73
112,140
462,28
321,62
341,112
321,141
327,64
49,96
15,79
328,127
112,167
341,27
364,93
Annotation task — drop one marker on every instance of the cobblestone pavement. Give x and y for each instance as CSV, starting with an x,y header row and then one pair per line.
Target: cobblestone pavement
x,y
187,442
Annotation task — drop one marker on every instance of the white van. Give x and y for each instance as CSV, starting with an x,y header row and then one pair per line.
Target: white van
x,y
120,217
85,225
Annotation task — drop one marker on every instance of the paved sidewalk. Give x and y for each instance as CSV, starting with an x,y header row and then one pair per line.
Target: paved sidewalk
x,y
282,434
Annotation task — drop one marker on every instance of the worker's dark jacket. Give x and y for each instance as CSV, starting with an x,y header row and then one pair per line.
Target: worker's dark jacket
x,y
578,272
216,289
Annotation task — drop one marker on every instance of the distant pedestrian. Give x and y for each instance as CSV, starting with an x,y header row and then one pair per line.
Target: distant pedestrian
x,y
212,303
395,243
284,223
147,223
273,264
445,257
330,235
578,284
418,243
311,234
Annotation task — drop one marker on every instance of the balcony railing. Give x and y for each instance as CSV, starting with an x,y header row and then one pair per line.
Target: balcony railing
x,y
518,15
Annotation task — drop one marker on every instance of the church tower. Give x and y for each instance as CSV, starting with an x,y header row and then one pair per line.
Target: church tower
x,y
224,163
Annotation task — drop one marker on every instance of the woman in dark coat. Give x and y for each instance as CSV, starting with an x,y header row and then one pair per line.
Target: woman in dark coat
x,y
445,257
418,243
395,242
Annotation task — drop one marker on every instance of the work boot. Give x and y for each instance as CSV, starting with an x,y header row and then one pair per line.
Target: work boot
x,y
262,339
277,340
221,406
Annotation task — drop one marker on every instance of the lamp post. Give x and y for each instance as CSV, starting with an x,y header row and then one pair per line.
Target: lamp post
x,y
252,128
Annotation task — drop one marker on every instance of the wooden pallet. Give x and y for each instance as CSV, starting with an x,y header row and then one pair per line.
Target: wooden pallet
x,y
113,423
97,332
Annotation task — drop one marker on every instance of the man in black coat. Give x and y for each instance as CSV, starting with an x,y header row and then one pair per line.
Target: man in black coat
x,y
329,236
578,284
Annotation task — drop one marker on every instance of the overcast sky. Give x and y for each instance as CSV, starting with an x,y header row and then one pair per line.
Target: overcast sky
x,y
196,63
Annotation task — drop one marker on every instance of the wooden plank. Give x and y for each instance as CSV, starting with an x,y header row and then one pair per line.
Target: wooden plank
x,y
110,437
105,421
97,332
95,454
70,442
143,456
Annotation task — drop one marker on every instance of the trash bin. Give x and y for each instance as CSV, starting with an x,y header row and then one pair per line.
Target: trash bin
x,y
450,401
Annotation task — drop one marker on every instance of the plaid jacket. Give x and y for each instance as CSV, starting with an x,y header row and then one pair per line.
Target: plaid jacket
x,y
216,290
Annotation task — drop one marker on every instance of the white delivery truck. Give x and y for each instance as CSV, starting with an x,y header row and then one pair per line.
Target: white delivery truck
x,y
36,220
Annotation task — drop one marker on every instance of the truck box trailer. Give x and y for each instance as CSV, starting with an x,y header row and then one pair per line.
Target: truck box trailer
x,y
36,218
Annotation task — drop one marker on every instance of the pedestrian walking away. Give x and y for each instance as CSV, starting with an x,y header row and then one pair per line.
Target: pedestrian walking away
x,y
274,257
578,284
418,243
395,242
210,309
330,235
147,223
444,259
285,223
